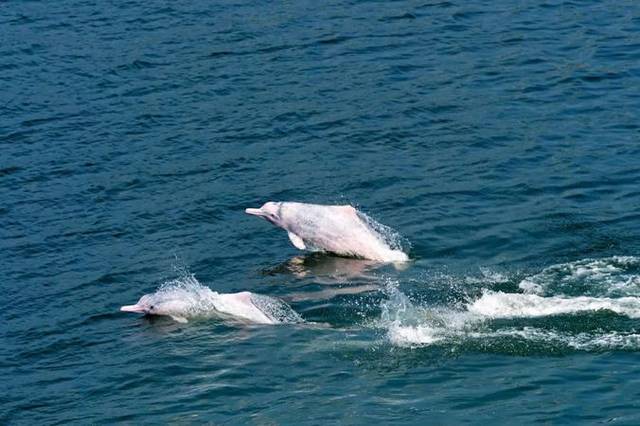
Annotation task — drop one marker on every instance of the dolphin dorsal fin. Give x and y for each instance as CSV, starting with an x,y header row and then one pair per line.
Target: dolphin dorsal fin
x,y
296,241
347,210
244,296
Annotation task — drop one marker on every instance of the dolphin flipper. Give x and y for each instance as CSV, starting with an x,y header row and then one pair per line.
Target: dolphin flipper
x,y
296,241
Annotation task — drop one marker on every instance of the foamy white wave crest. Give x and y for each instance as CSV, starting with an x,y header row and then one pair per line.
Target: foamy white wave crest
x,y
186,298
612,276
510,305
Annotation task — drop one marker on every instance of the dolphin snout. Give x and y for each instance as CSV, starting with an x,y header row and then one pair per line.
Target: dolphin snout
x,y
254,212
133,308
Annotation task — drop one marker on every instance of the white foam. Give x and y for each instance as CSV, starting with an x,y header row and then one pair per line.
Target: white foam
x,y
608,341
531,287
510,305
408,324
580,341
436,325
414,335
612,276
583,287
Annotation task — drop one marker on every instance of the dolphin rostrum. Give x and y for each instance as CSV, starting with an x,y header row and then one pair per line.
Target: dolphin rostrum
x,y
342,230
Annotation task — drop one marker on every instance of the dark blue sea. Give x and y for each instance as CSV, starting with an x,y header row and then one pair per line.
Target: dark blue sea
x,y
500,139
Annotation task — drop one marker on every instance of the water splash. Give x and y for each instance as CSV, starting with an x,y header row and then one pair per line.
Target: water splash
x,y
587,305
277,310
390,237
409,324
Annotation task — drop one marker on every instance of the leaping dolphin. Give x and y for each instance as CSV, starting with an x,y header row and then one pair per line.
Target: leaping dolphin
x,y
342,230
190,299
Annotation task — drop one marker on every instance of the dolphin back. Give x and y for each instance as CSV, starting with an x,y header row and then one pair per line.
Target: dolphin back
x,y
342,230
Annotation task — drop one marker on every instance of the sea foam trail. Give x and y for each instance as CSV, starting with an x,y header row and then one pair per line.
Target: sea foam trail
x,y
616,276
495,318
424,335
512,305
581,341
188,299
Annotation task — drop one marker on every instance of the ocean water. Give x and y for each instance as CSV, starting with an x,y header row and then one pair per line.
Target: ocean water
x,y
501,139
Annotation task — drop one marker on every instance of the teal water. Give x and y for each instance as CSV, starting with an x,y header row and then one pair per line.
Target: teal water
x,y
501,139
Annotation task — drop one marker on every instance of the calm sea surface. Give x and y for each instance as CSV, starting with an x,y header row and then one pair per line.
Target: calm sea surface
x,y
501,139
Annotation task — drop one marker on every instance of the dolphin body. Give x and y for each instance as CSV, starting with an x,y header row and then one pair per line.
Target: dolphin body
x,y
342,230
195,300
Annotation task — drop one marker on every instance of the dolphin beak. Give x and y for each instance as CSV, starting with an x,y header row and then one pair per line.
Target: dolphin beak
x,y
254,212
133,308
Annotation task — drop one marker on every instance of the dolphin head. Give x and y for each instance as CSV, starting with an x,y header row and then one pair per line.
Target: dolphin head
x,y
151,304
271,212
144,306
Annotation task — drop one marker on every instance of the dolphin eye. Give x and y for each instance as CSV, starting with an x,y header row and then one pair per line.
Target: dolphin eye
x,y
151,307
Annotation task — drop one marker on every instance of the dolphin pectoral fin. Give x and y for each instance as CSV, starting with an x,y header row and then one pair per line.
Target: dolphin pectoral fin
x,y
296,241
181,320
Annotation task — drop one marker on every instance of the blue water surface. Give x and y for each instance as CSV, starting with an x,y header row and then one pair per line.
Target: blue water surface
x,y
500,138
